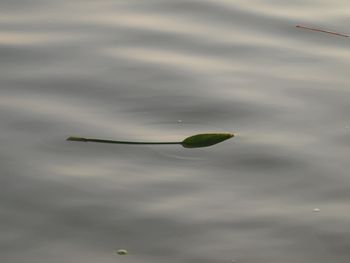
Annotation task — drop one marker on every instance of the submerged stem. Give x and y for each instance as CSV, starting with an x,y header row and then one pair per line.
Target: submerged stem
x,y
81,139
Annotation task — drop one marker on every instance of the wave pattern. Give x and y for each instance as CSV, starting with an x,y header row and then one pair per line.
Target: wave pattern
x,y
164,70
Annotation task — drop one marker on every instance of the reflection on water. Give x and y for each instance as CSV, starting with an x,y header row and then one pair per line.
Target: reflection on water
x,y
277,192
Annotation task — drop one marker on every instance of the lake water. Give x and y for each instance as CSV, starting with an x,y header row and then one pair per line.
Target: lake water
x,y
157,70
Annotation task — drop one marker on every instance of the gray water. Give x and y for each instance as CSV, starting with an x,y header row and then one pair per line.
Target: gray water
x,y
164,70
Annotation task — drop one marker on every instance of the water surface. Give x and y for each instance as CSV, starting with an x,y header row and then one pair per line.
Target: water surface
x,y
164,70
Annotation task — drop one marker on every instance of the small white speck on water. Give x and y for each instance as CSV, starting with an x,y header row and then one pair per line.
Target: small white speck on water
x,y
347,127
317,210
179,121
121,252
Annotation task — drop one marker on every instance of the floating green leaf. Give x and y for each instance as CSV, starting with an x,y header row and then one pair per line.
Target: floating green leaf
x,y
205,140
195,141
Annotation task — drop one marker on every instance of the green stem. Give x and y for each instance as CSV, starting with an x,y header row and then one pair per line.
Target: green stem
x,y
81,139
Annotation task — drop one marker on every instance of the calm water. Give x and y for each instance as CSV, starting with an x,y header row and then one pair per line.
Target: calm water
x,y
164,70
